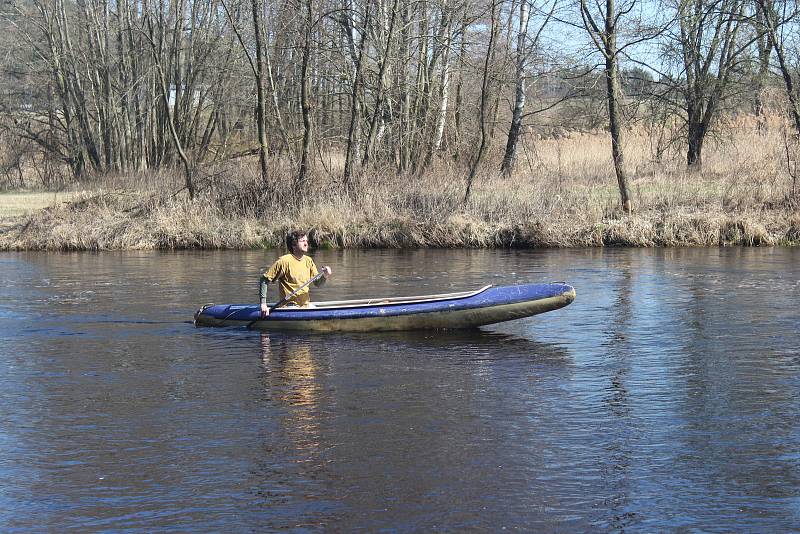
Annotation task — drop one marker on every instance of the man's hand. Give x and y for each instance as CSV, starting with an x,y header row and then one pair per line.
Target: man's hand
x,y
326,271
264,310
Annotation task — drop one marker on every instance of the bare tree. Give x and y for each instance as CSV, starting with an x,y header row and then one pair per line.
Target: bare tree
x,y
459,97
525,47
774,23
305,97
709,43
355,111
379,109
101,108
390,82
605,41
764,47
433,124
494,26
261,119
156,48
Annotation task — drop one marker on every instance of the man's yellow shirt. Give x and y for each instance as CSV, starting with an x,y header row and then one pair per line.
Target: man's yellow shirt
x,y
291,273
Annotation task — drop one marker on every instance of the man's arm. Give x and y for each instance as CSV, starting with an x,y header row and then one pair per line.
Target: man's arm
x,y
262,295
268,277
262,289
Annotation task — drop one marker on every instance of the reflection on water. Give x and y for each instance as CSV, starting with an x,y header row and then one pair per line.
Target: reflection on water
x,y
291,378
664,398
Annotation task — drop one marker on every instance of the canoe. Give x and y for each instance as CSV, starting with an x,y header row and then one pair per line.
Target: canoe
x,y
470,309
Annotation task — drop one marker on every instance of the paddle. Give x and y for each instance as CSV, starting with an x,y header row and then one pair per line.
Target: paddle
x,y
285,299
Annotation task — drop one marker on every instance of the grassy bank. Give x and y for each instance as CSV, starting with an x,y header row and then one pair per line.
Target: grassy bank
x,y
564,195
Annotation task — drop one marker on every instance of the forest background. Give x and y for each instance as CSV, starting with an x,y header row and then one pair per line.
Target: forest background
x,y
398,123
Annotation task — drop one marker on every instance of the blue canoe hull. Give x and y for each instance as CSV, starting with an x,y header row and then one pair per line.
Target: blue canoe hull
x,y
488,305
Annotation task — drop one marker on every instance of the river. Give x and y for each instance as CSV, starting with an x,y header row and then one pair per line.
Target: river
x,y
665,397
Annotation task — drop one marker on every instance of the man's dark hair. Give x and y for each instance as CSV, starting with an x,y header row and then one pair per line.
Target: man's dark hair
x,y
293,237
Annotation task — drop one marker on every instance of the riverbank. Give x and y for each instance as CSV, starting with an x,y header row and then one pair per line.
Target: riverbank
x,y
566,197
114,220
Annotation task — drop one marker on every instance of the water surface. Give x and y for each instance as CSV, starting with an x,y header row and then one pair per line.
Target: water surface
x,y
665,397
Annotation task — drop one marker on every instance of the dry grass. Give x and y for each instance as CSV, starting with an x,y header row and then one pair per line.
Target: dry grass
x,y
564,194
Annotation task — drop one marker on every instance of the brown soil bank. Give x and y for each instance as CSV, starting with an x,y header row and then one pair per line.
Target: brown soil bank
x,y
118,221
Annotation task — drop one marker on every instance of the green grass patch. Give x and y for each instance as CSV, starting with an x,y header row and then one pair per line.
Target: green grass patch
x,y
17,204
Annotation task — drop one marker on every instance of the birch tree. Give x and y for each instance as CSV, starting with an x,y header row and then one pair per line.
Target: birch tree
x,y
522,53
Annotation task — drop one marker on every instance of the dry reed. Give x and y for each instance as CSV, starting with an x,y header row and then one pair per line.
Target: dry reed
x,y
563,195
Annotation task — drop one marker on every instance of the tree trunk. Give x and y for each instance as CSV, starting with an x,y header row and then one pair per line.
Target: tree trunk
x,y
443,94
261,119
708,38
605,40
377,113
614,116
305,104
615,124
694,152
770,21
764,46
473,171
355,115
510,155
350,156
457,113
188,165
403,138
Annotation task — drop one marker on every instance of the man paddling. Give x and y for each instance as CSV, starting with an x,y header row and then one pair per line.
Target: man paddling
x,y
291,272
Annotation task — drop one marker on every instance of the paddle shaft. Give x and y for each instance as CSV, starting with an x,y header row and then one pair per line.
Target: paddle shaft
x,y
285,299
